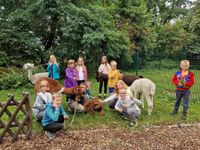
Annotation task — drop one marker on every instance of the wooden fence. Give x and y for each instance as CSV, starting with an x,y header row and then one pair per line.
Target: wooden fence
x,y
22,125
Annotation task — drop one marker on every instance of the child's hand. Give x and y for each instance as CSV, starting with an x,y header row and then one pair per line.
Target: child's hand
x,y
61,90
66,117
120,110
126,106
55,106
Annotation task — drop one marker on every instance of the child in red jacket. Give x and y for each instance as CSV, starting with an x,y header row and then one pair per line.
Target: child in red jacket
x,y
184,80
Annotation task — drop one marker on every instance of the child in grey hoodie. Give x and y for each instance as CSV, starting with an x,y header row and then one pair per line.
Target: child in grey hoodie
x,y
128,106
41,99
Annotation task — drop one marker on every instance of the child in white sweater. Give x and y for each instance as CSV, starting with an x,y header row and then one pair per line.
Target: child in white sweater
x,y
128,106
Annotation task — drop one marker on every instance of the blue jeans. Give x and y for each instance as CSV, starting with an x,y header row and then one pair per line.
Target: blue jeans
x,y
179,95
111,90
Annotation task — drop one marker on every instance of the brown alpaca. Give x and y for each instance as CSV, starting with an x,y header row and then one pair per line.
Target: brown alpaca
x,y
128,79
55,86
94,105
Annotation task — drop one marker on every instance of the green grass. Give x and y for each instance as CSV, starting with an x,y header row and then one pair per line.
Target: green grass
x,y
163,104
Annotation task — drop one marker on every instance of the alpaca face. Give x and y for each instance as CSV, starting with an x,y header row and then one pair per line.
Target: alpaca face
x,y
28,66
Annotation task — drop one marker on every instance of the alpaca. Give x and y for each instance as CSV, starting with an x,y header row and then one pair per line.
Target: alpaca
x,y
55,86
146,88
94,105
36,76
128,79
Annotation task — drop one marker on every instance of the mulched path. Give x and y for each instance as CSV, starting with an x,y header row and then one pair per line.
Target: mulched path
x,y
105,138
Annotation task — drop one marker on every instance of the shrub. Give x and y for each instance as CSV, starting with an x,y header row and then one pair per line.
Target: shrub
x,y
12,78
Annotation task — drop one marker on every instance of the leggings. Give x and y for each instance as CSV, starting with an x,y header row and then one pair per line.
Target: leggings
x,y
105,82
55,126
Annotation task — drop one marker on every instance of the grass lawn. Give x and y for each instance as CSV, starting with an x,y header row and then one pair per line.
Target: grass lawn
x,y
163,104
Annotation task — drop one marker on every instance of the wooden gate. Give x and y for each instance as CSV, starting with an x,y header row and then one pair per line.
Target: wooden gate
x,y
22,125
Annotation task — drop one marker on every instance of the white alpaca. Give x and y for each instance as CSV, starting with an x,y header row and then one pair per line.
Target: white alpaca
x,y
36,76
146,88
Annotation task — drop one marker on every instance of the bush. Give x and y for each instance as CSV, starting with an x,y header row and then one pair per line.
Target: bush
x,y
12,78
4,61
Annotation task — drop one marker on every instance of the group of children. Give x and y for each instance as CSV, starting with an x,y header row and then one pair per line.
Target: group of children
x,y
47,108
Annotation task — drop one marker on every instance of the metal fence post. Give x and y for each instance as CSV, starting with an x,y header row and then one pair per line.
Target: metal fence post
x,y
136,62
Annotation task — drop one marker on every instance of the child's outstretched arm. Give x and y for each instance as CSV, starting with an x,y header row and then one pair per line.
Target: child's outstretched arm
x,y
65,115
138,102
112,97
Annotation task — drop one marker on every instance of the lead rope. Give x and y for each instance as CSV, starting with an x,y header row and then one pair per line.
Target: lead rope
x,y
76,106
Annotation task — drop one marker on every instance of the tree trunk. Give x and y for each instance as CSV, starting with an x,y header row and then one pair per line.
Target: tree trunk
x,y
52,34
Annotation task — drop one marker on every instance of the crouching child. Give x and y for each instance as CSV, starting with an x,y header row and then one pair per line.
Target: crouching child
x,y
54,116
41,99
128,106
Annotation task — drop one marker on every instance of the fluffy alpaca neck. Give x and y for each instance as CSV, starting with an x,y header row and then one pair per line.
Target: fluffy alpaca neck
x,y
30,74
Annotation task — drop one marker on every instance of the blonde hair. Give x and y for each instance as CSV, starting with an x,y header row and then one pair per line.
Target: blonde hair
x,y
54,95
121,82
53,57
185,62
44,82
113,63
71,61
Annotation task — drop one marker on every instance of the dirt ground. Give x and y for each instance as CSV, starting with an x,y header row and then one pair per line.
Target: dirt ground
x,y
105,138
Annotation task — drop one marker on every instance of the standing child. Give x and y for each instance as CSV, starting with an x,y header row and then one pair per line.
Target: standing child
x,y
54,116
103,73
41,99
127,106
184,80
53,68
70,78
82,71
113,76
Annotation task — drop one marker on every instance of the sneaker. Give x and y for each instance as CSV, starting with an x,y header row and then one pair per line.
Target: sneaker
x,y
50,135
131,124
174,112
124,117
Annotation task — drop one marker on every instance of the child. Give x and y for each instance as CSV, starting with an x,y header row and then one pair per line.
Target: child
x,y
184,80
103,73
114,98
70,79
127,106
54,116
41,99
78,103
113,76
53,68
82,71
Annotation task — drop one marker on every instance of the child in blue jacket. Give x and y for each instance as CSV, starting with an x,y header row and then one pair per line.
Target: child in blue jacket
x,y
53,68
54,116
